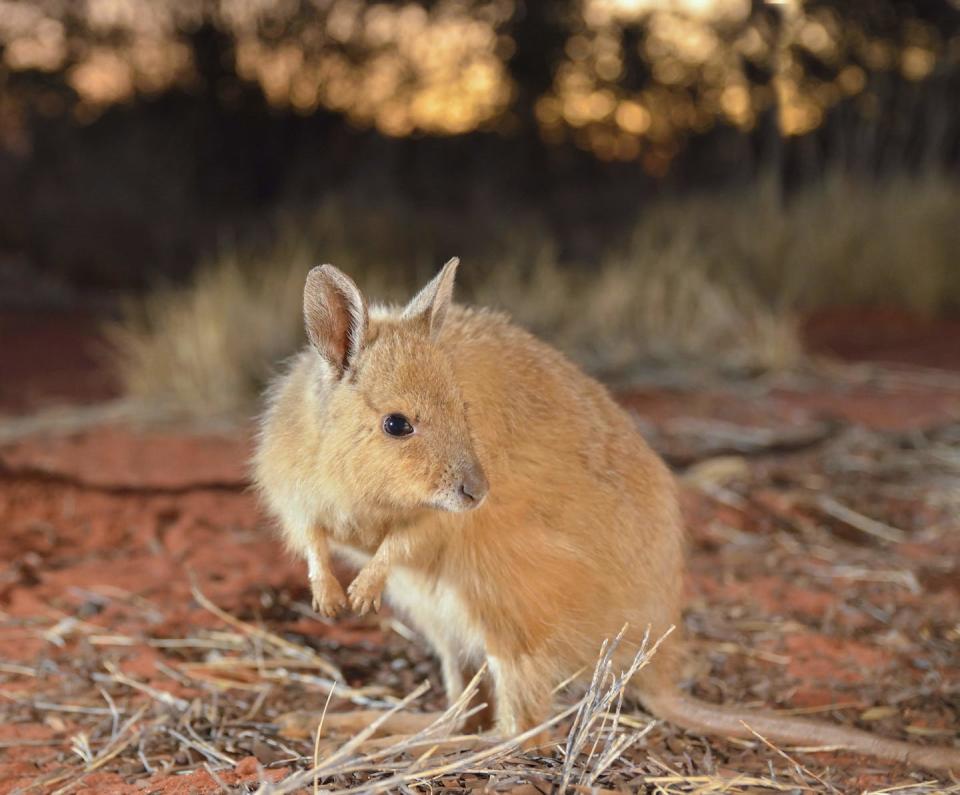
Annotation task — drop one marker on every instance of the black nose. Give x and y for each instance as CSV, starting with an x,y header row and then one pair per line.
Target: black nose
x,y
474,485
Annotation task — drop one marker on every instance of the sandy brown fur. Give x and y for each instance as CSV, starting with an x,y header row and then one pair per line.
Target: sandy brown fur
x,y
579,534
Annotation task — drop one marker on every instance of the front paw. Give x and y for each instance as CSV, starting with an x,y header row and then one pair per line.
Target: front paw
x,y
365,592
328,597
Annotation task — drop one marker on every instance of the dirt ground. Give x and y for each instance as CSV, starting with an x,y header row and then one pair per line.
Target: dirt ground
x,y
153,629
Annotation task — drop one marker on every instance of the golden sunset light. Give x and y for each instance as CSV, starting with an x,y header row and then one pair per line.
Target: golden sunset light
x,y
446,70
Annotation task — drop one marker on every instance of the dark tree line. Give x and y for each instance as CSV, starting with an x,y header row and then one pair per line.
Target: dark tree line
x,y
115,195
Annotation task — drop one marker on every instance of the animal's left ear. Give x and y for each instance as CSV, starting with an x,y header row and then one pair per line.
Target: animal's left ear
x,y
432,302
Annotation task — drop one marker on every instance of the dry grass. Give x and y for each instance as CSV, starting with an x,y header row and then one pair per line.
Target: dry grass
x,y
595,745
843,241
715,280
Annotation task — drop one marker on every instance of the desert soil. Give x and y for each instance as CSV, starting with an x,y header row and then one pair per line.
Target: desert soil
x,y
824,517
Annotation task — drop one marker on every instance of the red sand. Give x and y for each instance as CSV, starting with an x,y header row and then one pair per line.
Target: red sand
x,y
95,517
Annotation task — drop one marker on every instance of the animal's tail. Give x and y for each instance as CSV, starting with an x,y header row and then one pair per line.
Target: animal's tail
x,y
699,716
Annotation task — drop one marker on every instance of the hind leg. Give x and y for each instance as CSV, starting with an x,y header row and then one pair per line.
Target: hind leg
x,y
523,696
483,701
457,672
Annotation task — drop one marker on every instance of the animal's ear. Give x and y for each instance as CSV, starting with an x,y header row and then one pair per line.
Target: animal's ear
x,y
335,315
432,302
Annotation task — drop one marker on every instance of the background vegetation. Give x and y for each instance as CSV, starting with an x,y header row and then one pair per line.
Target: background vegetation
x,y
641,181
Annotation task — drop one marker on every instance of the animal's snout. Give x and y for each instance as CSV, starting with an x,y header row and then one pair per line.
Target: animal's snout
x,y
473,485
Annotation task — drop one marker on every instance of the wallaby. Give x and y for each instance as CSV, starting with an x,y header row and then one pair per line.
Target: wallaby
x,y
502,500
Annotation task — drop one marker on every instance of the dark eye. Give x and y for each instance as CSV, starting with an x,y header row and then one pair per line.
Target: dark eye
x,y
397,425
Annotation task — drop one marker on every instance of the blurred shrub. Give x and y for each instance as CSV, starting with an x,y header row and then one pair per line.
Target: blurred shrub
x,y
712,280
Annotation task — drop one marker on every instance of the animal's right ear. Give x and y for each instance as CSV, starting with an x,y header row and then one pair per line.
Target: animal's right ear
x,y
335,315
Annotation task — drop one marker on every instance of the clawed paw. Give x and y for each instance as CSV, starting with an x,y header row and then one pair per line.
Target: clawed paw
x,y
328,597
365,593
